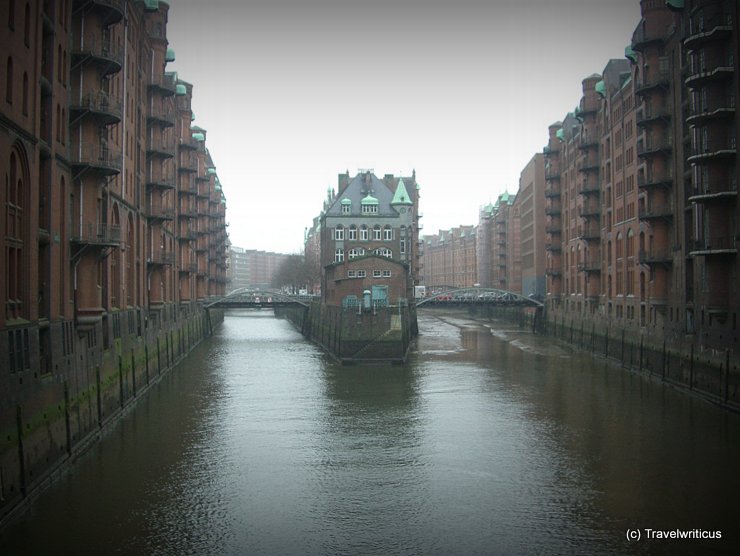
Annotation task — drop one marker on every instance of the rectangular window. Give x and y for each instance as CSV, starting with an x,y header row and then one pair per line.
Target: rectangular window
x,y
403,246
377,274
361,274
346,209
386,274
351,274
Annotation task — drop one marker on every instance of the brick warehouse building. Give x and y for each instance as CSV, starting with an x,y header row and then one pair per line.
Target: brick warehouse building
x,y
114,219
369,233
641,185
449,259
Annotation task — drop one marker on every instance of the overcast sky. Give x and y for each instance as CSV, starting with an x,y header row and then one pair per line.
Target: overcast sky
x,y
294,92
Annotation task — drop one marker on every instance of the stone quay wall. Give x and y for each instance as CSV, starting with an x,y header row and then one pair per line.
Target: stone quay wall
x,y
713,374
66,399
351,335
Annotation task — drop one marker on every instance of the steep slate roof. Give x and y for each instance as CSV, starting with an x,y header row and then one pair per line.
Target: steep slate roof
x,y
357,191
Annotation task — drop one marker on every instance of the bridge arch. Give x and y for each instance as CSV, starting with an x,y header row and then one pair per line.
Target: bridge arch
x,y
478,295
251,297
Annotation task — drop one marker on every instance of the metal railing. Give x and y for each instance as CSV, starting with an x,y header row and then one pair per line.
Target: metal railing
x,y
96,155
99,102
99,234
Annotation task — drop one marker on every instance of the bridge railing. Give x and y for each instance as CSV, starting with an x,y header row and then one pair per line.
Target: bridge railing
x,y
247,296
479,295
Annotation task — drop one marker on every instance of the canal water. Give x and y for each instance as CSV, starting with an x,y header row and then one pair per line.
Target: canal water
x,y
489,441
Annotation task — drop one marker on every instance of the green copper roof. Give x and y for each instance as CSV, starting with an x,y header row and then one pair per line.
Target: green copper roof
x,y
170,56
151,5
560,134
199,137
675,4
401,197
630,54
211,170
218,187
369,200
600,88
345,201
180,89
504,197
192,115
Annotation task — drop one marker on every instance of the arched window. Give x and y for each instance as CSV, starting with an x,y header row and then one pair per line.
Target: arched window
x,y
27,26
9,81
352,233
338,255
11,15
14,244
387,233
59,63
630,244
364,233
376,232
620,246
115,232
25,94
339,233
354,253
383,252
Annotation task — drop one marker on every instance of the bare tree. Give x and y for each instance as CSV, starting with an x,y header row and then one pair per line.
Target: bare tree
x,y
292,274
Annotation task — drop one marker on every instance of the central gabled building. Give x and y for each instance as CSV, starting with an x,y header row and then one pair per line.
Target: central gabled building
x,y
369,234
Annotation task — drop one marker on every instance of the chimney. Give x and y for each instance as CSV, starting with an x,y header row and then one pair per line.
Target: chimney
x,y
343,180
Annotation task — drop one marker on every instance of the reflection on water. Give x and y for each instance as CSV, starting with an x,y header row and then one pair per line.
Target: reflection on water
x,y
488,441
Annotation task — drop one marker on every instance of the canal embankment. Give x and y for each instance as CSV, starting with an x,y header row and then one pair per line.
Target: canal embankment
x,y
355,335
49,419
680,362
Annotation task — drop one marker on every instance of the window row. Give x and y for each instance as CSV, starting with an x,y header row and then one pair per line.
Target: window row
x,y
378,233
363,274
354,253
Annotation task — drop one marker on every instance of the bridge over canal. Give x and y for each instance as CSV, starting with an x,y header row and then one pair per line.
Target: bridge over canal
x,y
247,298
477,296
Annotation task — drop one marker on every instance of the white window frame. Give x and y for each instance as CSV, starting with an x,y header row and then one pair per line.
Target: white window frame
x,y
364,233
361,274
369,209
352,234
339,233
377,233
387,233
351,274
386,274
338,255
346,209
377,274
